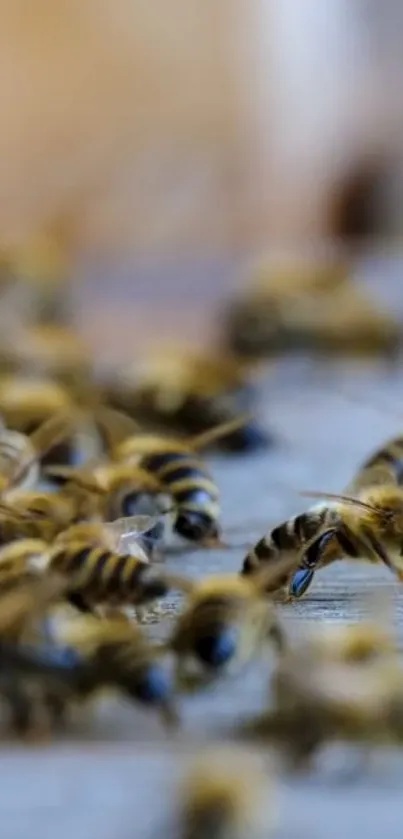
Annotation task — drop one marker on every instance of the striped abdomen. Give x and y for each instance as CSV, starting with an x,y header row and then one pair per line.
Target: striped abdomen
x,y
389,458
194,493
289,536
100,576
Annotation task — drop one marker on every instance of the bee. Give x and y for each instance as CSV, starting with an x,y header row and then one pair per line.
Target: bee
x,y
346,686
27,402
226,623
383,469
190,394
114,492
223,797
316,309
177,467
368,527
40,682
101,577
20,454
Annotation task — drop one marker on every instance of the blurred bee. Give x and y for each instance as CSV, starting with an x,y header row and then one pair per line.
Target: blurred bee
x,y
190,394
50,352
227,621
113,492
223,797
314,308
101,577
347,686
40,682
177,467
20,454
27,402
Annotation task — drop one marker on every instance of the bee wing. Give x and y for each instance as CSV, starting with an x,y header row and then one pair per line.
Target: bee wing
x,y
130,532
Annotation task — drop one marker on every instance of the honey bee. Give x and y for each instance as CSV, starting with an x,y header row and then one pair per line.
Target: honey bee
x,y
27,402
100,577
368,527
226,623
40,682
315,308
345,686
223,796
50,352
376,484
190,394
177,467
20,454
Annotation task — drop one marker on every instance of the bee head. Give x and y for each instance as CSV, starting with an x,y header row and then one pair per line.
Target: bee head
x,y
151,685
217,646
195,526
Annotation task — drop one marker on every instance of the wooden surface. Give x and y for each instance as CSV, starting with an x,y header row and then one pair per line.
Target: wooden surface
x,y
114,775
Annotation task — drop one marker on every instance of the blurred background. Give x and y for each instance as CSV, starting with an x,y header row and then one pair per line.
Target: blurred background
x,y
163,145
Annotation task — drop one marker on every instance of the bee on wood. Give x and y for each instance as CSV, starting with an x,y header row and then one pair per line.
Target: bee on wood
x,y
347,526
190,394
101,577
308,308
346,686
177,467
227,621
40,682
223,797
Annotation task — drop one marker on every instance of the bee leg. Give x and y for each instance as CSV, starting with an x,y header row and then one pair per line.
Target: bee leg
x,y
313,554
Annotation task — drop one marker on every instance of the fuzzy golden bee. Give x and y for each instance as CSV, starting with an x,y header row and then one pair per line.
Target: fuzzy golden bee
x,y
100,577
227,621
191,393
178,468
344,686
223,797
41,681
366,525
316,308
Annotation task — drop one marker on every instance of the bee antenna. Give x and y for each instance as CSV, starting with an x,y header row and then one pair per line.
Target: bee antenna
x,y
333,496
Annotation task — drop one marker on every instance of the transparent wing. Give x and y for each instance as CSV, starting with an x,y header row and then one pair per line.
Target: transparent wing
x,y
138,534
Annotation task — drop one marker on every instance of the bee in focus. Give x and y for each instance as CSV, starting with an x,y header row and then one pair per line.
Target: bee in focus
x,y
344,687
190,394
178,468
227,621
321,532
224,796
40,682
368,527
308,307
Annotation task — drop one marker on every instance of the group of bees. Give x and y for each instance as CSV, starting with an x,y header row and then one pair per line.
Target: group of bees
x,y
92,470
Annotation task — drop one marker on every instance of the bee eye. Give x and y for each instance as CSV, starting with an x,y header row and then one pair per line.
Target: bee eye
x,y
216,649
301,582
153,686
